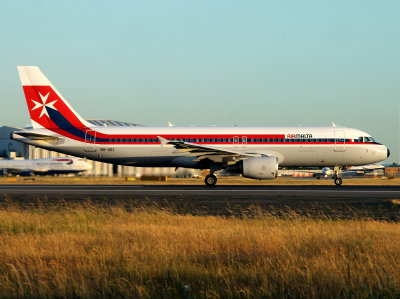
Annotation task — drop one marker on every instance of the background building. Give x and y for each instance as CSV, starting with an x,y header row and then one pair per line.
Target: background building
x,y
10,149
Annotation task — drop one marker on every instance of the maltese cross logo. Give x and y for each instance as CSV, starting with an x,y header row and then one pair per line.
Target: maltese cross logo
x,y
44,105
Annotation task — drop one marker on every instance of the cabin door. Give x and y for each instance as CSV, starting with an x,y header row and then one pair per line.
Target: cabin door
x,y
340,141
244,141
90,141
236,140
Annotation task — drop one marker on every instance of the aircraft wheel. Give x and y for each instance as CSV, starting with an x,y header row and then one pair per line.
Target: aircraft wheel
x,y
338,181
210,180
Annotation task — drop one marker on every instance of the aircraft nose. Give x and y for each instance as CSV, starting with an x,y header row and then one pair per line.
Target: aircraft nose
x,y
388,153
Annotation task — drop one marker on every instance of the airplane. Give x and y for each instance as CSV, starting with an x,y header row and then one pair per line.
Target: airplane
x,y
253,152
44,166
365,168
351,170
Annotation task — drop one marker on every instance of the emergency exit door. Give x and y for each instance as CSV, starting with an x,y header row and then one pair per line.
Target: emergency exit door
x,y
90,141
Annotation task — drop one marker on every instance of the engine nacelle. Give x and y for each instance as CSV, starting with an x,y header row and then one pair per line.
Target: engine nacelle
x,y
264,168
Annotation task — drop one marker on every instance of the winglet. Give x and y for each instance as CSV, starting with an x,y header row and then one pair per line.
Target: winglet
x,y
163,140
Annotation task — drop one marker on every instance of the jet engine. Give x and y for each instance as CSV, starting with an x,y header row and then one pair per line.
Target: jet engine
x,y
263,168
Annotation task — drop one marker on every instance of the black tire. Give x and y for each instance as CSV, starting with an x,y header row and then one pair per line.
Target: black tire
x,y
210,180
338,181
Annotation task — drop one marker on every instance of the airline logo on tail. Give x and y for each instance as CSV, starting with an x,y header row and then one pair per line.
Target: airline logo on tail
x,y
43,104
47,108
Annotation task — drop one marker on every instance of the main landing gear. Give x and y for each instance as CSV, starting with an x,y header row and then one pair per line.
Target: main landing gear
x,y
336,177
210,180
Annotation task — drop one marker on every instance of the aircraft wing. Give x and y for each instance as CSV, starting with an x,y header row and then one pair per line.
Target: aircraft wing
x,y
215,154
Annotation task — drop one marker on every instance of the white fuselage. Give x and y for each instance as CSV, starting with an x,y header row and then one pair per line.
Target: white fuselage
x,y
294,146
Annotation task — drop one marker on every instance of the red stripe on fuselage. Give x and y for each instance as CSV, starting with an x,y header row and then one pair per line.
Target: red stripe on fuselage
x,y
197,137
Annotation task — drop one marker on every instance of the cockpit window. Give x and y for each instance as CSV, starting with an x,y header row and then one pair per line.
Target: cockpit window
x,y
366,139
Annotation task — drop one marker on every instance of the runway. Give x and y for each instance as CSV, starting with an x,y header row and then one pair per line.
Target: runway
x,y
372,202
223,192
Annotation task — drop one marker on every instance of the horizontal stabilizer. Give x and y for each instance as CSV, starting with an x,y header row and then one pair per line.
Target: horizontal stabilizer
x,y
34,136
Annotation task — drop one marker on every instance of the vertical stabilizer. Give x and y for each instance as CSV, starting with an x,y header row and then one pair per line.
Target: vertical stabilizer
x,y
47,107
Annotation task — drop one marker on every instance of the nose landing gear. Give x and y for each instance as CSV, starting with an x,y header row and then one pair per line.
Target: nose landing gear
x,y
336,177
338,181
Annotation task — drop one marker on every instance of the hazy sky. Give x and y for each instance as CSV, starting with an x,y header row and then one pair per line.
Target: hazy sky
x,y
250,63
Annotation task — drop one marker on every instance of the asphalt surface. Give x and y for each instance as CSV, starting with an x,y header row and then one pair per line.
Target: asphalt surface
x,y
222,192
350,202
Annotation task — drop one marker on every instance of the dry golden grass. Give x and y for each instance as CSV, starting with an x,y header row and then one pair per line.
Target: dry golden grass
x,y
87,250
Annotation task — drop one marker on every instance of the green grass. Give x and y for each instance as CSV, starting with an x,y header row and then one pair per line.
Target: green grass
x,y
88,250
